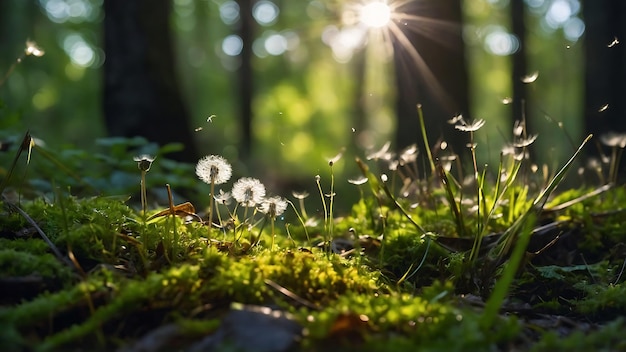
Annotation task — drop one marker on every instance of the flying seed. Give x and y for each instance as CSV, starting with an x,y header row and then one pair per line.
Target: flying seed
x,y
507,100
531,77
210,118
603,108
198,129
613,43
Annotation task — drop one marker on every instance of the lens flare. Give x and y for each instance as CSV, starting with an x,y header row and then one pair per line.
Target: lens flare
x,y
375,14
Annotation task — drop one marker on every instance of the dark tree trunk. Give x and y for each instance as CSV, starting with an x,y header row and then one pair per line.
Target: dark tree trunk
x,y
519,61
245,76
605,66
439,82
141,95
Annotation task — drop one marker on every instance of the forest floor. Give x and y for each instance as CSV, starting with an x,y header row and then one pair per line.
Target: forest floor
x,y
428,264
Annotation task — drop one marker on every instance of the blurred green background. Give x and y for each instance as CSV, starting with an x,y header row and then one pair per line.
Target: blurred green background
x,y
306,83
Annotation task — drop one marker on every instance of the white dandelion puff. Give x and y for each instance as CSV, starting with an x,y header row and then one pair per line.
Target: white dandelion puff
x,y
273,206
214,169
248,191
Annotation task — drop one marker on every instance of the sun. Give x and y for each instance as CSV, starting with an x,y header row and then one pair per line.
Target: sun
x,y
375,14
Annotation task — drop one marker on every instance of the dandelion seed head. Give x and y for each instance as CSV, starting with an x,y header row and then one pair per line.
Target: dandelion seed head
x,y
525,142
300,195
381,154
248,191
358,181
273,206
335,159
144,162
470,127
214,169
409,154
614,139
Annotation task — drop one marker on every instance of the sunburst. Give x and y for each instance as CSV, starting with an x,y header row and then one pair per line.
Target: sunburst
x,y
385,26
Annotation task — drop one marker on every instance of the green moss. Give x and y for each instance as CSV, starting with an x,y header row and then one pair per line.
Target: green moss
x,y
15,263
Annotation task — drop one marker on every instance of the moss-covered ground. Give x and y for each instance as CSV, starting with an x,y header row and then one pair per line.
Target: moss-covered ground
x,y
429,264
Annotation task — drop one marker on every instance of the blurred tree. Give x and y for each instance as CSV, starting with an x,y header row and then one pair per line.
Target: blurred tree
x,y
245,76
519,67
141,95
605,72
437,80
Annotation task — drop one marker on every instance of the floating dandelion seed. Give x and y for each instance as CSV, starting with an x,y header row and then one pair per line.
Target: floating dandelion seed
x,y
507,100
248,191
381,154
613,43
358,181
531,77
198,129
455,119
33,49
471,127
603,108
210,118
213,169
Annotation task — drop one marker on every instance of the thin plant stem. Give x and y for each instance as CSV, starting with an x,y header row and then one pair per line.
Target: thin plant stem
x,y
211,205
420,114
302,208
144,195
273,234
330,207
319,187
306,232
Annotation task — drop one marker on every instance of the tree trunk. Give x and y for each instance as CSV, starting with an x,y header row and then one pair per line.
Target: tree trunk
x,y
519,61
605,72
437,80
245,76
141,95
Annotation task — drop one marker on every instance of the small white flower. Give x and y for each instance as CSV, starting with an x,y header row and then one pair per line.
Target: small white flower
x,y
273,206
214,169
248,191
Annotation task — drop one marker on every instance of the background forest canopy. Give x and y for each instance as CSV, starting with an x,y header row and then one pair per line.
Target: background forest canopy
x,y
283,86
